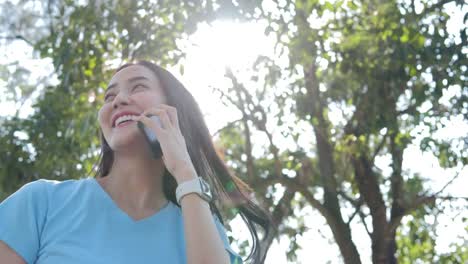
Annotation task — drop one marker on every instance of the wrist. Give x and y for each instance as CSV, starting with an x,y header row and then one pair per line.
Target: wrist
x,y
185,174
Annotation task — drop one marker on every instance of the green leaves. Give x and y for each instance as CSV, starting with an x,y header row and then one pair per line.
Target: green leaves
x,y
352,78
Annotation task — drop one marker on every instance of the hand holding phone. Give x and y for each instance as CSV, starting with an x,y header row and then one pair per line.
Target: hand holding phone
x,y
151,138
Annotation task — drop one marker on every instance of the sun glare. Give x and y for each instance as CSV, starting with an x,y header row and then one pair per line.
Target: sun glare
x,y
229,44
209,51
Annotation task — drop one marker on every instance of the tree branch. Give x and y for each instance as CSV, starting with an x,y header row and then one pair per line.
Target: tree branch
x,y
292,184
260,124
422,200
224,95
363,219
369,189
449,182
281,209
358,210
379,147
433,7
449,198
228,125
17,37
354,202
324,148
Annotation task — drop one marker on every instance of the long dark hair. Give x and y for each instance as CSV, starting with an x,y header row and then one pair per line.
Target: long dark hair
x,y
208,164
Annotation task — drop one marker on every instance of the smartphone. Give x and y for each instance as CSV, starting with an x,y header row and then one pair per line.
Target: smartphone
x,y
151,138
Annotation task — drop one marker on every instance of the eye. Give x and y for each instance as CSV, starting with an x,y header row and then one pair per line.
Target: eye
x,y
108,96
138,86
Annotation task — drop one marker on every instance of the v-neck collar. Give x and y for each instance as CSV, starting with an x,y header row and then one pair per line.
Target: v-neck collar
x,y
114,205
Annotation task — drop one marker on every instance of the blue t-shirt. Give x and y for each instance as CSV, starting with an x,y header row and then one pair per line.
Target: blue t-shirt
x,y
76,222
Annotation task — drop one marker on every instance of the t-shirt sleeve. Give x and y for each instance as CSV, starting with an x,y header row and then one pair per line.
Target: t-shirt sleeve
x,y
234,257
22,216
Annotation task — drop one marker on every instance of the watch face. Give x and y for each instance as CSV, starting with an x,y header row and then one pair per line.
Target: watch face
x,y
205,188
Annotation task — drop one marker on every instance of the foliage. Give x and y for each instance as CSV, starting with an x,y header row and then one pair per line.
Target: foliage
x,y
386,66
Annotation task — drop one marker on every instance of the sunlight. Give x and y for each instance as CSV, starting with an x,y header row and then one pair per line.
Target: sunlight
x,y
229,44
209,51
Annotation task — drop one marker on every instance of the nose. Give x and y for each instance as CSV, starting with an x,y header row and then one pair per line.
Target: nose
x,y
120,99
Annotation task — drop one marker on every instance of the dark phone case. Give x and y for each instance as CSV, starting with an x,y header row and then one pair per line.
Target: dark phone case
x,y
151,138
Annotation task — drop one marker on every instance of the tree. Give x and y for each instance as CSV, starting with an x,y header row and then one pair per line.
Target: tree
x,y
378,63
371,60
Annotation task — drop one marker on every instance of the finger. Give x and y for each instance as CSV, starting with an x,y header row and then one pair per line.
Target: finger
x,y
172,112
154,112
151,124
163,116
165,119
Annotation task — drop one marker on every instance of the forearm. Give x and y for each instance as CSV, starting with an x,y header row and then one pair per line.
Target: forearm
x,y
203,242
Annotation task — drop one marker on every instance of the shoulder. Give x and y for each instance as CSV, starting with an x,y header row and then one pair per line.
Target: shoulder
x,y
50,185
45,184
66,186
40,190
37,185
34,189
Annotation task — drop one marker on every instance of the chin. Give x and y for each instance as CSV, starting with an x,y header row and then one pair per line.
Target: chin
x,y
124,140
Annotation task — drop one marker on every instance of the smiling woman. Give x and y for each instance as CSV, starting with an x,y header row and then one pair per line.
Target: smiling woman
x,y
137,208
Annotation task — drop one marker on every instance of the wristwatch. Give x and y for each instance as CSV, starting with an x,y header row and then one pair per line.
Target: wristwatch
x,y
198,186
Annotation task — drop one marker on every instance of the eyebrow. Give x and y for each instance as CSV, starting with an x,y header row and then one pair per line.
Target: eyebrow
x,y
131,80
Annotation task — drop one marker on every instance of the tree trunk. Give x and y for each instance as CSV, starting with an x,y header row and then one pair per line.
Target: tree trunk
x,y
342,235
341,231
392,248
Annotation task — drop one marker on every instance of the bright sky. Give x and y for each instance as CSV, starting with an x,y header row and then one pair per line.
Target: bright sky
x,y
209,51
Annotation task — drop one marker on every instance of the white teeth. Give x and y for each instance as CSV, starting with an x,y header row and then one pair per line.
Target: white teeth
x,y
124,118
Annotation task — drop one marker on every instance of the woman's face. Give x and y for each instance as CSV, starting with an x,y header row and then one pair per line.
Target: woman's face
x,y
131,91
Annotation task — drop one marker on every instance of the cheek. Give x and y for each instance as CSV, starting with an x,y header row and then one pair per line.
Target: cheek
x,y
103,115
150,100
143,101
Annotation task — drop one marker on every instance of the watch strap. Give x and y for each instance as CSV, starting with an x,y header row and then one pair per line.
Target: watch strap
x,y
198,186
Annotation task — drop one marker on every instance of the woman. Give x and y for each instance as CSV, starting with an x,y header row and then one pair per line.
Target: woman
x,y
138,208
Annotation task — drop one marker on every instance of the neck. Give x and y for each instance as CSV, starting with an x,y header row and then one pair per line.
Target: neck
x,y
135,182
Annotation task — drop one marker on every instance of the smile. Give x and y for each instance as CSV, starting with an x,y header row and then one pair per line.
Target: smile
x,y
123,120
